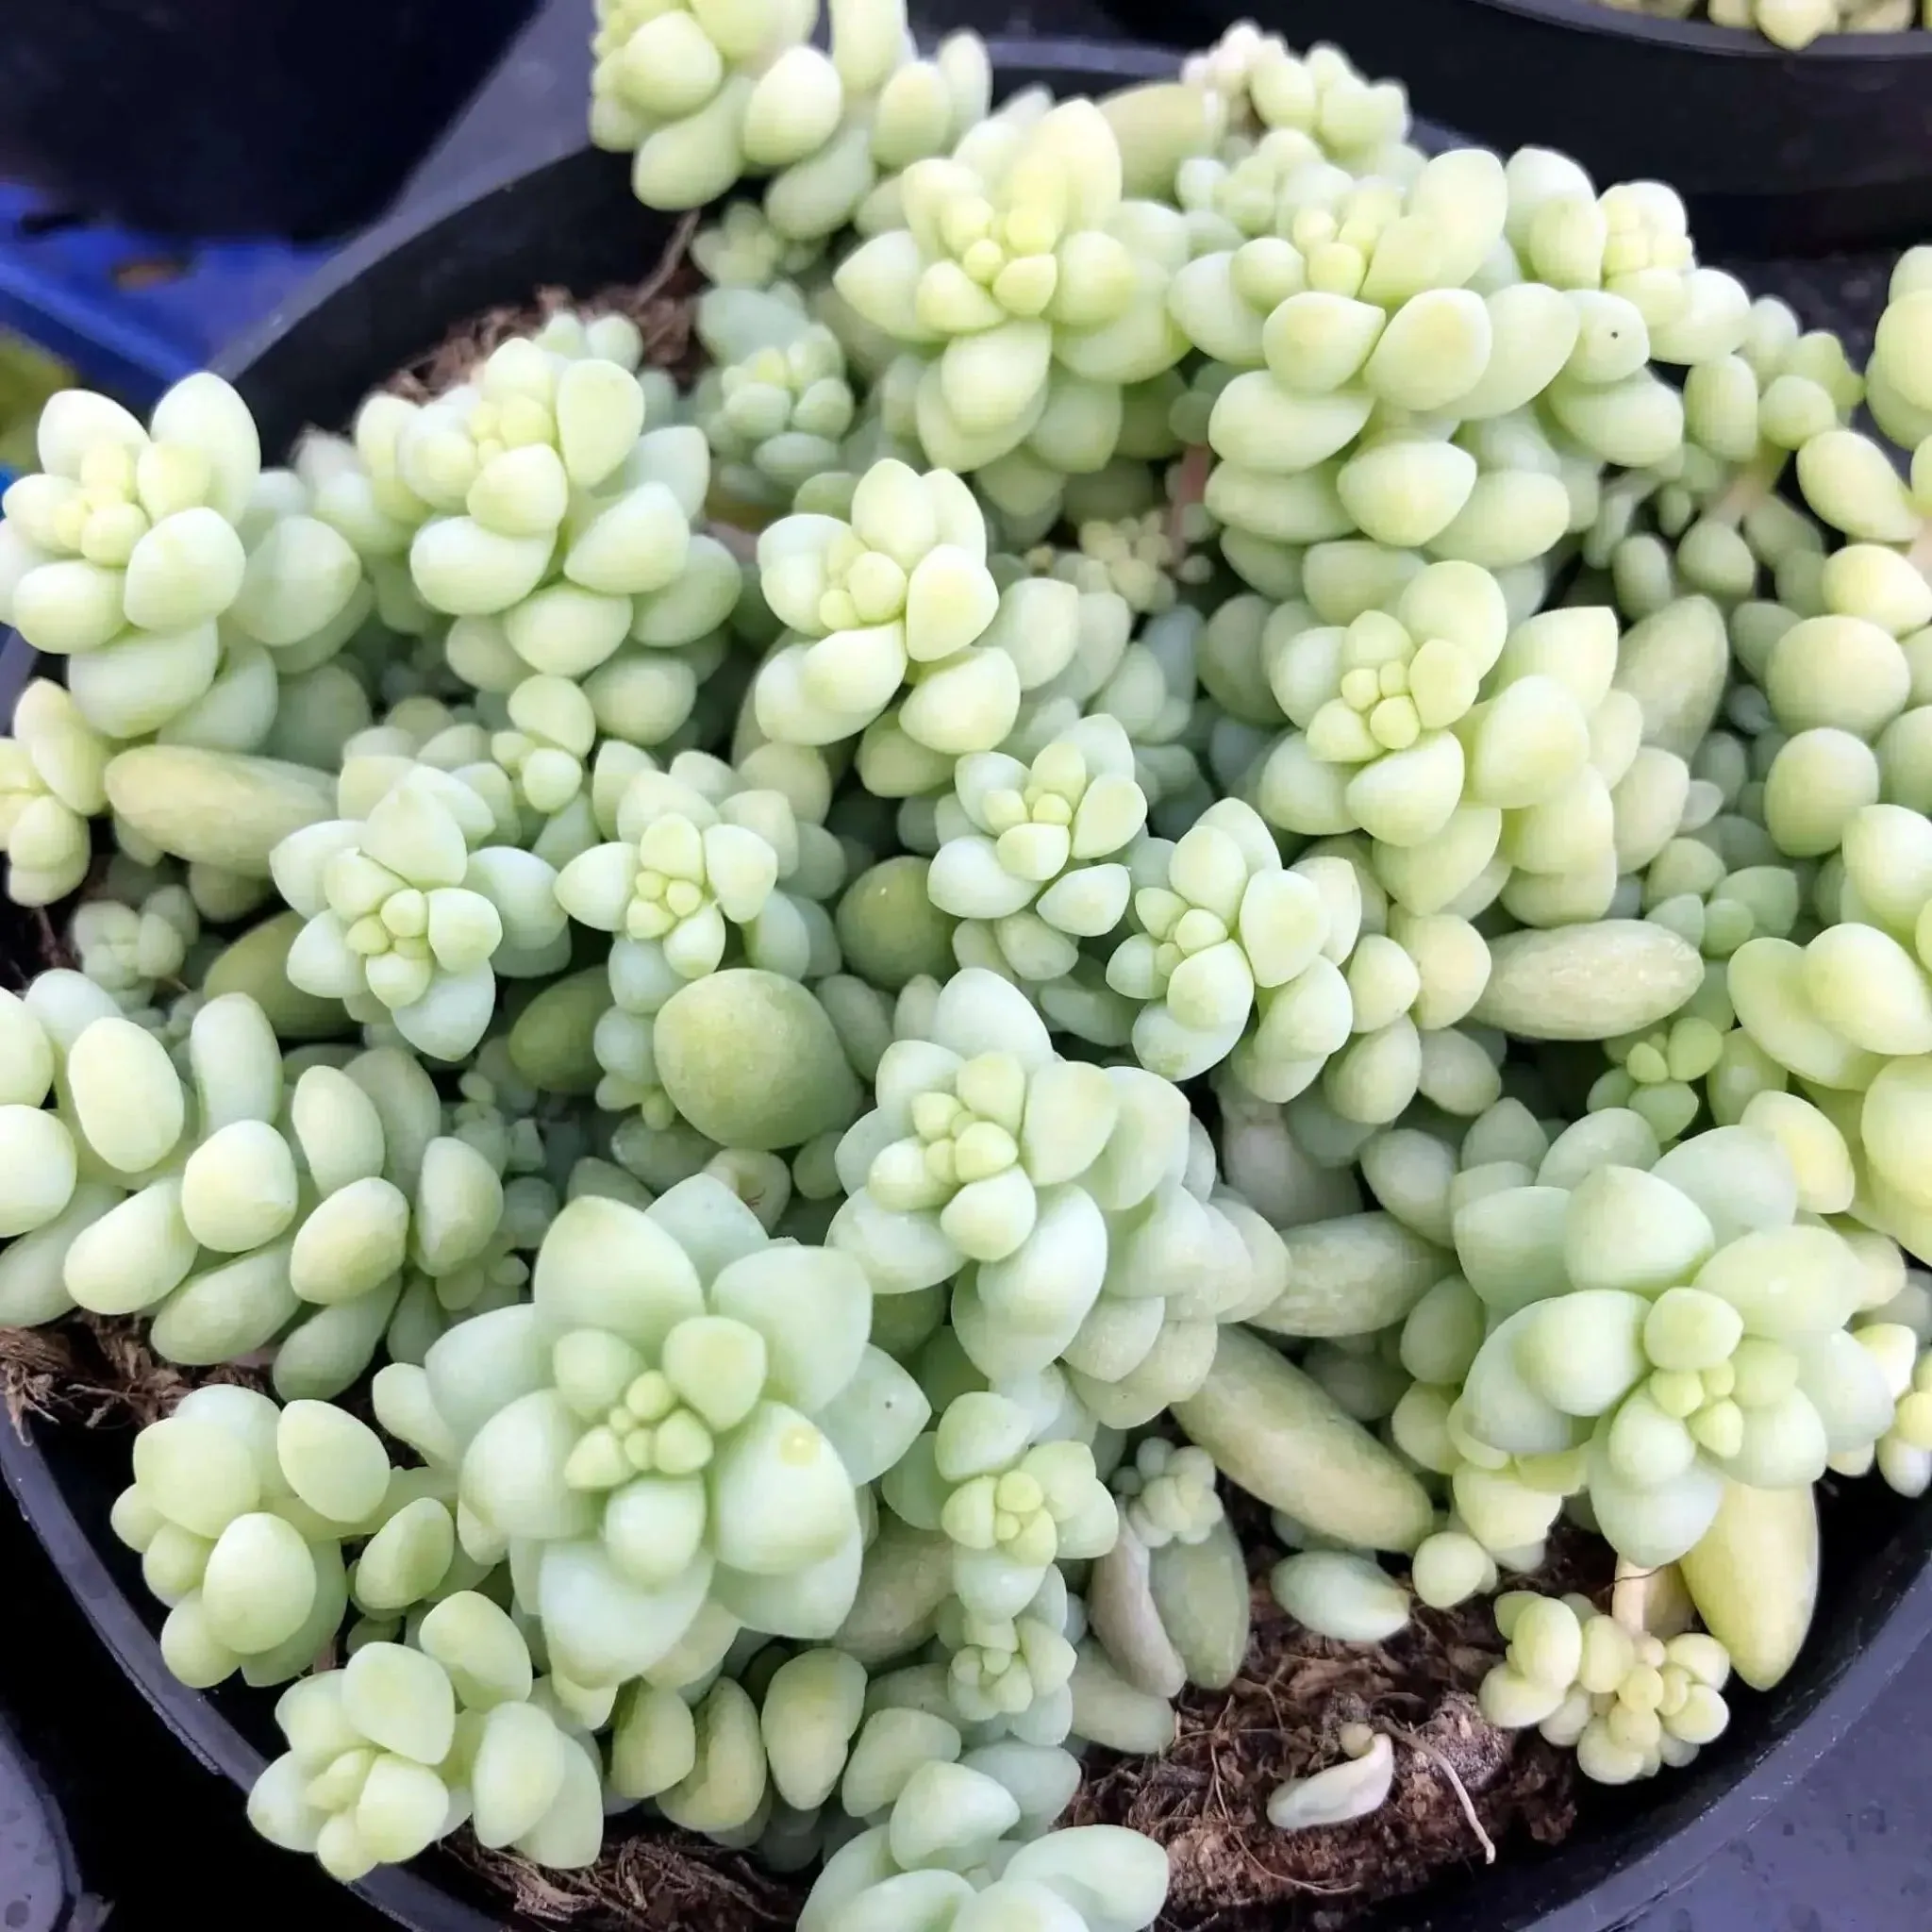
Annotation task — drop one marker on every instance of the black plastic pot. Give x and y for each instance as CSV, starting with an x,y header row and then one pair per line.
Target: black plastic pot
x,y
40,1883
569,220
1777,154
221,119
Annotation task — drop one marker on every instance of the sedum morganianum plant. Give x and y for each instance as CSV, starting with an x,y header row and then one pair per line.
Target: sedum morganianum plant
x,y
237,1200
1186,829
390,1753
1629,1701
407,906
741,249
178,581
1169,1603
53,773
1037,853
139,946
1012,1506
1718,885
945,1841
776,407
1263,85
1139,683
944,1846
1028,291
81,570
897,628
701,855
1224,922
702,95
1671,1329
130,550
1072,1207
533,505
683,1419
239,1512
1486,762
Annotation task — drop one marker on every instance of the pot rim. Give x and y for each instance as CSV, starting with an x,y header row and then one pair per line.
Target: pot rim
x,y
1124,63
1705,37
218,1744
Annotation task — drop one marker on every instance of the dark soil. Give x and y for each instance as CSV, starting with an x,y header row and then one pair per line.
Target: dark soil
x,y
1463,1790
660,306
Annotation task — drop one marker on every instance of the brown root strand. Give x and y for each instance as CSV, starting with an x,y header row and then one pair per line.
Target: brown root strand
x,y
1416,1742
97,1371
651,1881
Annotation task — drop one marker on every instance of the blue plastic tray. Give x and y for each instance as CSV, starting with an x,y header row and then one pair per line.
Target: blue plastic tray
x,y
130,313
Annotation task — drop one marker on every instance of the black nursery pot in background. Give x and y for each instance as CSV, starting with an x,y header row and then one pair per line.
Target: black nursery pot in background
x,y
1776,153
221,119
569,221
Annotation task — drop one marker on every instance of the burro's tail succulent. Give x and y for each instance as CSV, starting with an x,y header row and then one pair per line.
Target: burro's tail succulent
x,y
1663,1333
407,908
1066,1198
1177,826
643,1428
943,1847
1628,1700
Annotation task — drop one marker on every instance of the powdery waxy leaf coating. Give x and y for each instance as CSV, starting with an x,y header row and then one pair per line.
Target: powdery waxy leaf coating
x,y
394,921
1040,860
647,1426
1626,1700
899,595
1665,1353
1227,924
